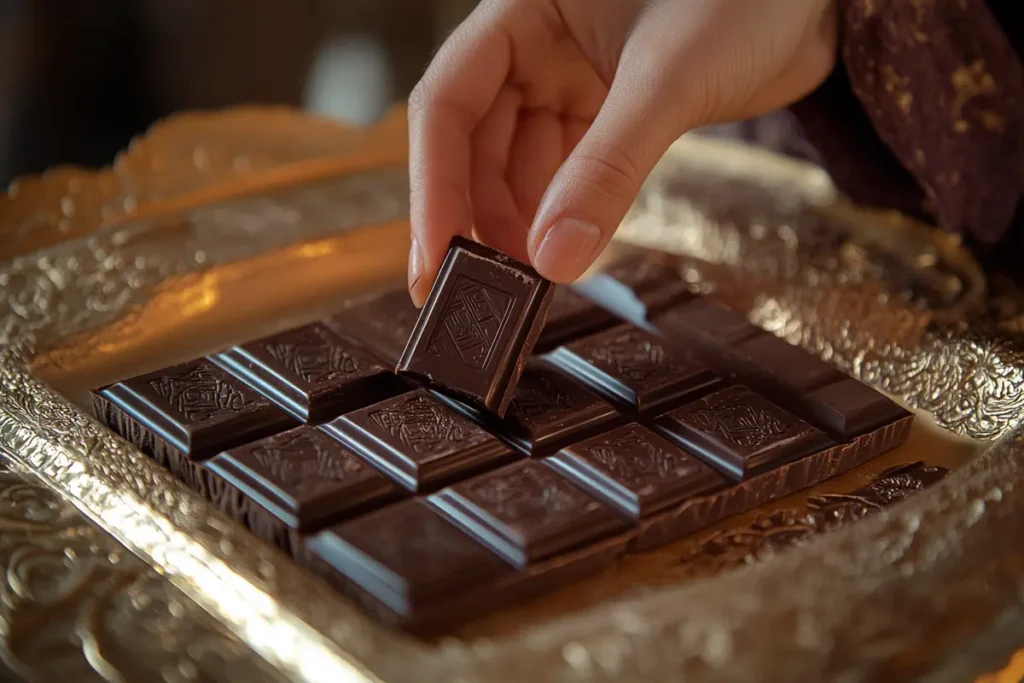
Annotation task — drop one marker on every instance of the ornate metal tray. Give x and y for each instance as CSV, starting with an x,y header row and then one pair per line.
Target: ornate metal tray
x,y
220,226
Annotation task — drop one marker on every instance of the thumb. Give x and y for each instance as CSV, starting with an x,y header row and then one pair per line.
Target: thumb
x,y
595,186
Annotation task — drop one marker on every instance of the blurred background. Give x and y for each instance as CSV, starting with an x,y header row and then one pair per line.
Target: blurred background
x,y
79,79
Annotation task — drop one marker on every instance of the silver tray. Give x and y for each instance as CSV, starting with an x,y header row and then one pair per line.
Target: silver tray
x,y
223,226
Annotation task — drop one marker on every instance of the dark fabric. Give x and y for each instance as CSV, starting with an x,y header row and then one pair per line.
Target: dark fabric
x,y
926,112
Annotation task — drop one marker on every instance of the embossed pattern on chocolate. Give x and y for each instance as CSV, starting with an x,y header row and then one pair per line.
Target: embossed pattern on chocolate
x,y
478,327
403,557
382,322
636,471
194,408
551,409
418,441
311,372
302,477
635,369
526,512
741,432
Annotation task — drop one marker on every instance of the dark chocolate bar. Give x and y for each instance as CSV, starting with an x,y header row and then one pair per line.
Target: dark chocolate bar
x,y
419,441
187,413
741,433
636,471
311,372
526,512
478,327
848,408
292,482
382,323
635,369
571,316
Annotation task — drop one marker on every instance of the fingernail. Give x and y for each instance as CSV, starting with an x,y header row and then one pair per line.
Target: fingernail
x,y
567,250
415,271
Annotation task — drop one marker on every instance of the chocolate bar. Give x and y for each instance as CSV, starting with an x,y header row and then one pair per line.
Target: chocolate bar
x,y
636,471
478,327
740,432
311,372
526,512
571,316
294,482
635,369
382,323
418,441
638,436
186,413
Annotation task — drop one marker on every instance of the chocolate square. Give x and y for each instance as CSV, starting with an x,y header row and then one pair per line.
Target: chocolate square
x,y
550,410
311,372
294,481
774,365
636,471
635,369
478,327
405,557
571,316
741,433
382,323
848,408
526,512
419,441
187,413
704,321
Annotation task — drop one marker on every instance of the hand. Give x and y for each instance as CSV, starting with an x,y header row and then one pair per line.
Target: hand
x,y
538,120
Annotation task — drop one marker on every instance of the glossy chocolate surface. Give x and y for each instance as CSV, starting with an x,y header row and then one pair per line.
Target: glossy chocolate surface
x,y
571,316
302,476
550,410
382,323
526,512
849,408
478,327
196,408
311,372
635,369
740,432
636,471
405,555
419,441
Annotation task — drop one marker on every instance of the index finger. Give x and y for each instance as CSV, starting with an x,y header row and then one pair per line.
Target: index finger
x,y
453,96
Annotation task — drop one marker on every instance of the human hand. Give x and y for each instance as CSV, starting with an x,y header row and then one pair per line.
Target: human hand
x,y
538,120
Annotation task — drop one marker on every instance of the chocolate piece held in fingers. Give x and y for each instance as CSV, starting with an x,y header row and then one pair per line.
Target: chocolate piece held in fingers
x,y
478,327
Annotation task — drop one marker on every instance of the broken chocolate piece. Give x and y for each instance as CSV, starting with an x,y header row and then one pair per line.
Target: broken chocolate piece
x,y
311,372
740,432
478,327
636,471
526,512
419,441
635,369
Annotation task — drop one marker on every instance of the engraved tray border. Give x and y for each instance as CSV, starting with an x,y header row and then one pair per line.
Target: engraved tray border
x,y
865,599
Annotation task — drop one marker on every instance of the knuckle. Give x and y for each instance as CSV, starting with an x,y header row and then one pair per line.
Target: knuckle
x,y
612,172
